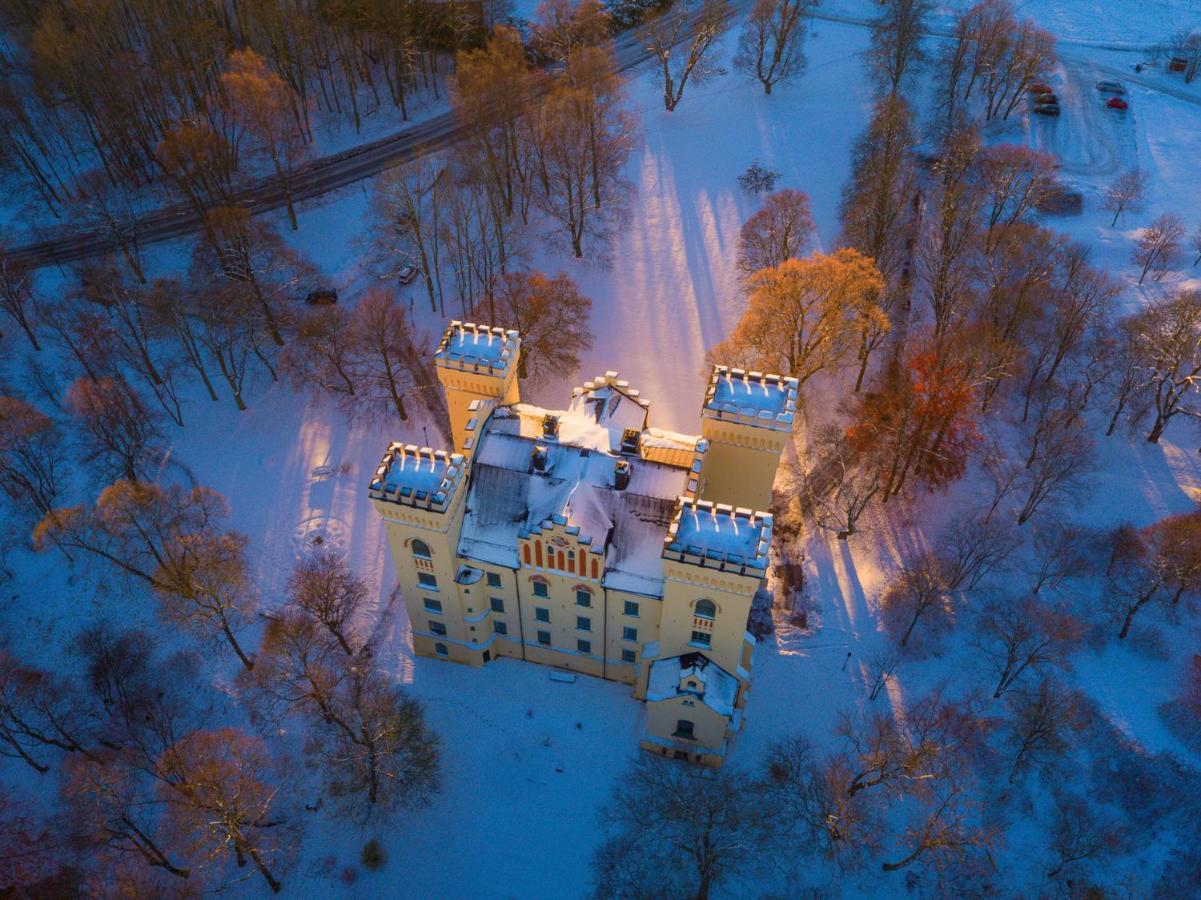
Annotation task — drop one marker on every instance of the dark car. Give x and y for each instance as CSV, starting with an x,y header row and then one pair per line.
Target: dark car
x,y
322,298
1112,87
407,275
1046,109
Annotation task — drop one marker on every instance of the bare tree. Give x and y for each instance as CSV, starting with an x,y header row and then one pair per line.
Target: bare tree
x,y
896,52
323,585
318,357
1024,636
689,829
560,27
1042,719
1059,553
778,231
39,713
118,432
836,489
1155,566
918,591
680,40
1165,363
29,449
771,44
383,352
1016,180
407,210
222,796
880,664
1126,192
940,829
1080,831
1158,246
812,796
1195,243
552,316
17,297
970,548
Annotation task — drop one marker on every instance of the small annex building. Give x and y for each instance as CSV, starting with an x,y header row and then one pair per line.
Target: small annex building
x,y
587,539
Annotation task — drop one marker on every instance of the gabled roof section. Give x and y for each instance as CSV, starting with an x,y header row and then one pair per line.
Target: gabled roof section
x,y
752,398
693,674
418,477
472,347
719,536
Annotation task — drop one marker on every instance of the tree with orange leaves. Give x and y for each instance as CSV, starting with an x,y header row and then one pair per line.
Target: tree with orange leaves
x,y
806,315
918,424
270,110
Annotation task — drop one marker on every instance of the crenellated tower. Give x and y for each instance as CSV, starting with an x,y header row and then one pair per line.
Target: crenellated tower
x,y
476,363
747,420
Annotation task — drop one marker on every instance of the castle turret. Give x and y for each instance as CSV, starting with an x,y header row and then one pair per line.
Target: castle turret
x,y
747,421
476,363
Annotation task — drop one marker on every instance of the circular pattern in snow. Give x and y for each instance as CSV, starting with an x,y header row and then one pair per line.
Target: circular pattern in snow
x,y
320,531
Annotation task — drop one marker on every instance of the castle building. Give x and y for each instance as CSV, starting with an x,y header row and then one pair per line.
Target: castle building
x,y
587,539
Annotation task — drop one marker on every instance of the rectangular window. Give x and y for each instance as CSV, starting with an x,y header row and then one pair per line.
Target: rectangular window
x,y
427,581
631,608
583,598
583,623
432,605
493,579
584,646
684,729
498,605
500,627
544,638
541,614
627,656
437,627
540,589
629,634
700,638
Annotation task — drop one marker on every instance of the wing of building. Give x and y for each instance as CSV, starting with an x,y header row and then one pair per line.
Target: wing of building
x,y
587,539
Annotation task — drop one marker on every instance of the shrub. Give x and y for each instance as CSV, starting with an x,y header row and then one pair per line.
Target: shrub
x,y
373,856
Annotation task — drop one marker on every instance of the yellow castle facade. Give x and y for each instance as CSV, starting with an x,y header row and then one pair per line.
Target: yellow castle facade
x,y
587,540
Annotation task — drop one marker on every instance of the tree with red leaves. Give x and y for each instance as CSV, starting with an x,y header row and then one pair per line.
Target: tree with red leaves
x,y
918,424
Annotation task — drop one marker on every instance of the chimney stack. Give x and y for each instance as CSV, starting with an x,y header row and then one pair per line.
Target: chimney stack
x,y
621,474
538,458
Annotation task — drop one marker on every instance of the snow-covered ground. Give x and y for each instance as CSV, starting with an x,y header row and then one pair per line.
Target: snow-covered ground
x,y
527,762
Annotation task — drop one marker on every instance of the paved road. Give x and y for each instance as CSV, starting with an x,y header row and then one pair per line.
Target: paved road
x,y
317,177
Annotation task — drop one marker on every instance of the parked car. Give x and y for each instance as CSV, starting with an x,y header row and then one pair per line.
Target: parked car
x,y
1046,109
1117,103
1039,88
1178,64
1112,87
407,275
322,298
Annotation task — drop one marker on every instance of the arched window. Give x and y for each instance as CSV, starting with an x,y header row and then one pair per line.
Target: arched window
x,y
705,609
441,650
421,550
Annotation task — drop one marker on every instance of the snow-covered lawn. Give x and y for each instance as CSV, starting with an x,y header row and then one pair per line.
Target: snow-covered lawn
x,y
527,762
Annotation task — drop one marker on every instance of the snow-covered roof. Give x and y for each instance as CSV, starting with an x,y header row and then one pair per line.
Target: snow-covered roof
x,y
767,401
466,345
716,534
417,476
695,674
509,499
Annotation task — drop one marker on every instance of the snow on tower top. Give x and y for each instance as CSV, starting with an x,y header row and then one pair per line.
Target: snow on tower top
x,y
766,401
466,345
718,535
417,476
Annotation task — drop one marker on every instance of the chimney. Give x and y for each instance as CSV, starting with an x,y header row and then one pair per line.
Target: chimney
x,y
538,458
550,426
630,440
621,474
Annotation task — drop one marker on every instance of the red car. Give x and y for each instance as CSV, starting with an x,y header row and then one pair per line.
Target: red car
x,y
1039,88
1116,103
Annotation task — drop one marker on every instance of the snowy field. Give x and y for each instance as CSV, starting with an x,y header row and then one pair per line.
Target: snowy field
x,y
528,762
